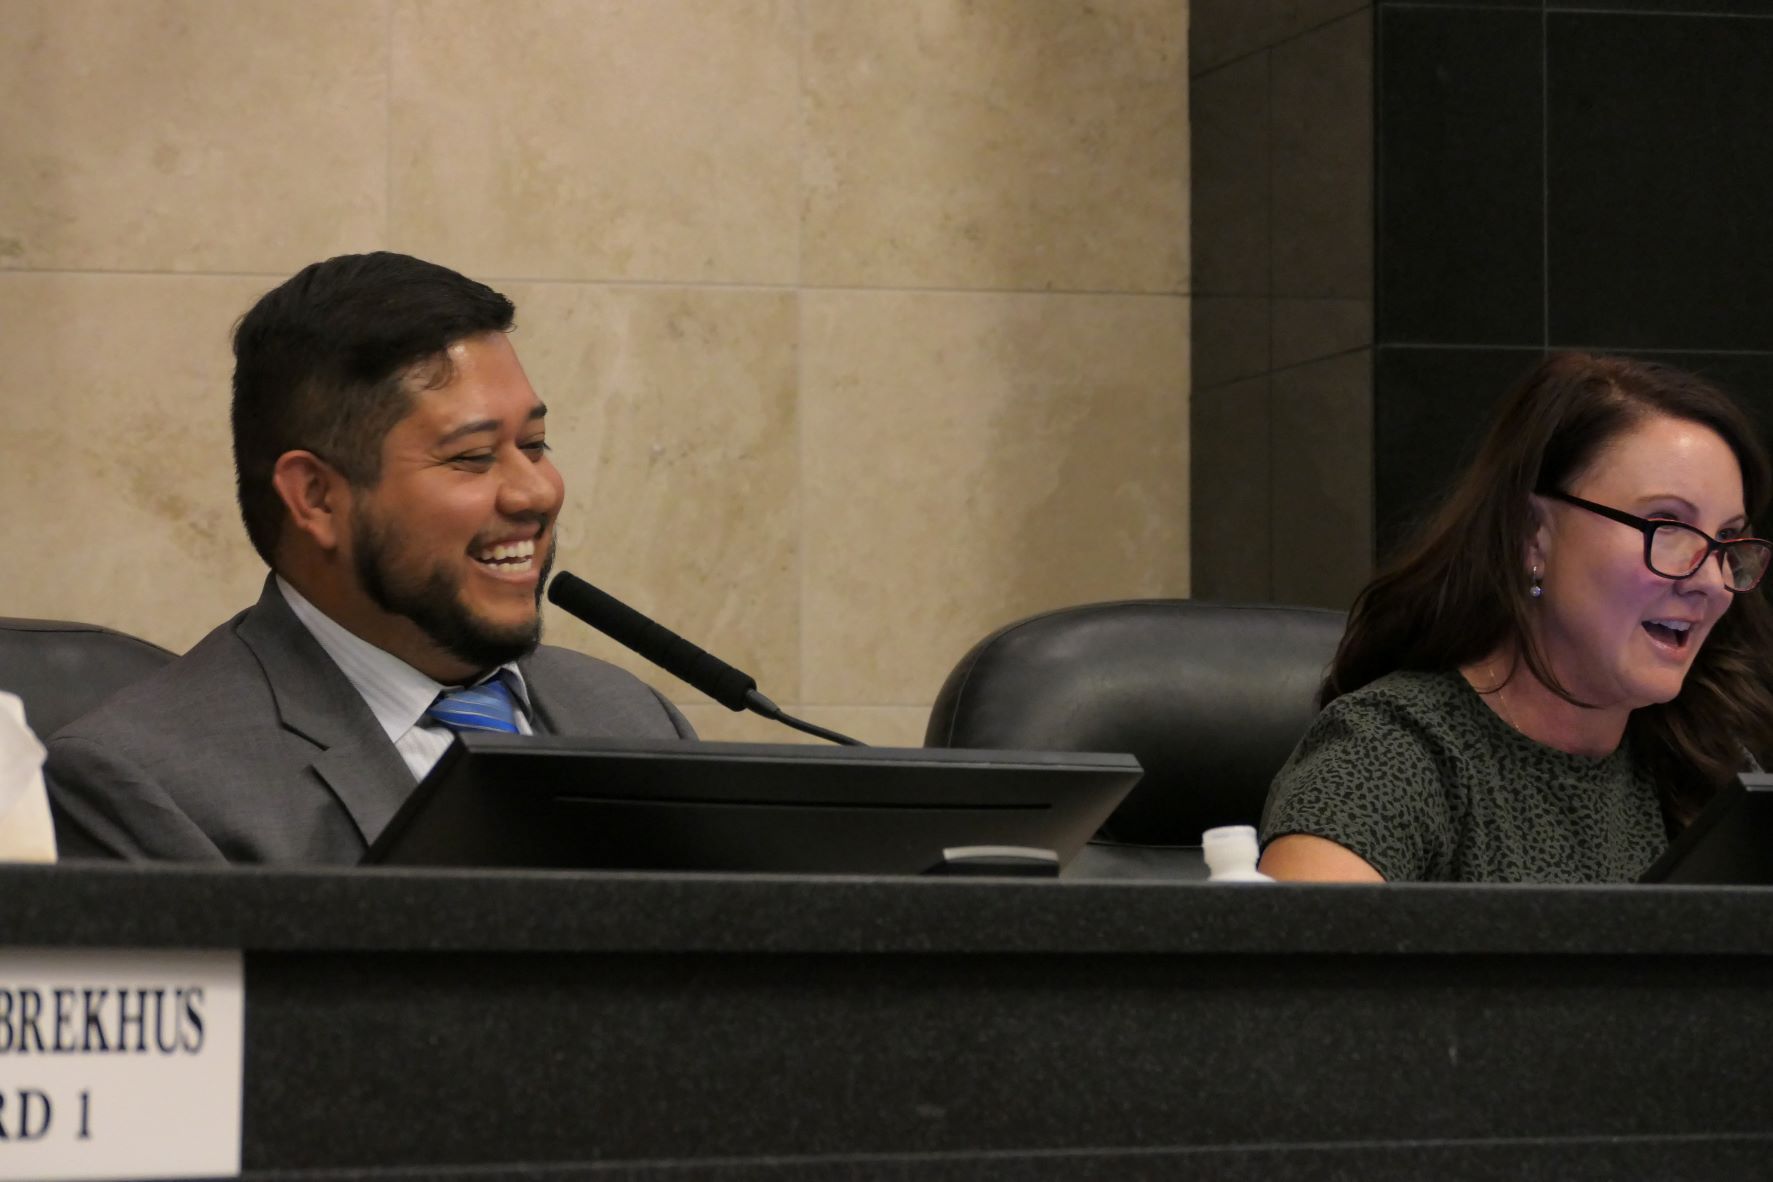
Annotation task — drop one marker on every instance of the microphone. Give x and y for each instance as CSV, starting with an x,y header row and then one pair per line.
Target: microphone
x,y
732,688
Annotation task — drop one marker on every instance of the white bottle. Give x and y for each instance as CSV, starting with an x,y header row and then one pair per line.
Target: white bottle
x,y
1231,852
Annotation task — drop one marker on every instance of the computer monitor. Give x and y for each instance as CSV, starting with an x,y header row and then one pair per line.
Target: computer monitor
x,y
1729,842
546,801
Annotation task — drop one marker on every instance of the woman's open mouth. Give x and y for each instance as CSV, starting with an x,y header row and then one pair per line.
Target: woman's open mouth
x,y
1672,633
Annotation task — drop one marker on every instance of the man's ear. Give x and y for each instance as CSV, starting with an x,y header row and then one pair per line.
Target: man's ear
x,y
315,495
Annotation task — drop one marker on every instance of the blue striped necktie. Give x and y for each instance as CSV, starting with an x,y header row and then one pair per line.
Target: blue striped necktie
x,y
484,707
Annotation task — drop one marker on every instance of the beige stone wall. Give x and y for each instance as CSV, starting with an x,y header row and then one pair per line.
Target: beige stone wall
x,y
864,323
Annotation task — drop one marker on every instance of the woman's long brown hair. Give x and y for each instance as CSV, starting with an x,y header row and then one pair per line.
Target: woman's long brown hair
x,y
1459,592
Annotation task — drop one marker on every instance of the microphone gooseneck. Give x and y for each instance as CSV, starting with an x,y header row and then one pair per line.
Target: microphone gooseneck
x,y
758,704
702,670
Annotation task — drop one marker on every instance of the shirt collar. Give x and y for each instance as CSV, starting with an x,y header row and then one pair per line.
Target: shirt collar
x,y
396,693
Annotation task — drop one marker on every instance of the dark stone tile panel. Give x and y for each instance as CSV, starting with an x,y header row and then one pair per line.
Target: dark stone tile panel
x,y
1230,146
1228,501
1229,339
1748,376
1430,410
1460,177
1661,167
1220,31
1323,481
1535,5
1322,106
1432,406
1289,18
1305,330
1742,8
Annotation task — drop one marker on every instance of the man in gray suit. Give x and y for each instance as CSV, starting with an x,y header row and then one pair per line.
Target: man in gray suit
x,y
393,473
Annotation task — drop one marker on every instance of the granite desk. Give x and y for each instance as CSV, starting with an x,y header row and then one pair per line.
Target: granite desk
x,y
408,1025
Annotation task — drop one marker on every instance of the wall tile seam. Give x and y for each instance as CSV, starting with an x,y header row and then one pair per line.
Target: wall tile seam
x,y
1375,285
1635,350
1475,6
1318,359
1202,392
641,284
1551,9
1544,178
802,573
1295,294
851,289
1562,10
1205,71
1270,581
388,130
1119,293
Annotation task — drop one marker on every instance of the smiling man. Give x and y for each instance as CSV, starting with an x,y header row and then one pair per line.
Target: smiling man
x,y
393,472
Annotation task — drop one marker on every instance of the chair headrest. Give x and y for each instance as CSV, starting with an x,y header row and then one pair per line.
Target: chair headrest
x,y
1211,699
63,669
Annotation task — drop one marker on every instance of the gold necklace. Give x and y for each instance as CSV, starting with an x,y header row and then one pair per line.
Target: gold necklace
x,y
1502,702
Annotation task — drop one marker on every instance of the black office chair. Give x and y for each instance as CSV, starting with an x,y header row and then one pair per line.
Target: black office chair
x,y
1211,699
62,670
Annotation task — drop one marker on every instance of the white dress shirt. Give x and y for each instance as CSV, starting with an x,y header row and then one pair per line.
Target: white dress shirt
x,y
26,832
396,693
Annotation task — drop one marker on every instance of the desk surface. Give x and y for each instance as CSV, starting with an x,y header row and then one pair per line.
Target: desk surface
x,y
410,910
640,1025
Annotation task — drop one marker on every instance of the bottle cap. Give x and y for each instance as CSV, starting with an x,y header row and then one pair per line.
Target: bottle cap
x,y
1230,849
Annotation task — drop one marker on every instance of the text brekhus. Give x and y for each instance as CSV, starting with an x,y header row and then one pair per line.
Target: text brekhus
x,y
163,1019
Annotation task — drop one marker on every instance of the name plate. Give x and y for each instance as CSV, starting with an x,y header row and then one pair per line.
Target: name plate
x,y
120,1064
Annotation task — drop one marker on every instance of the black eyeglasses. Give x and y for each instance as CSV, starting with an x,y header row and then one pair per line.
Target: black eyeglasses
x,y
1676,550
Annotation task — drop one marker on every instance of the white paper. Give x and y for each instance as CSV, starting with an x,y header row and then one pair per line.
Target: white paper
x,y
120,1064
26,832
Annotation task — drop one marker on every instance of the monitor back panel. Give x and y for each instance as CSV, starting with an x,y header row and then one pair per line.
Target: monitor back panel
x,y
548,802
1730,842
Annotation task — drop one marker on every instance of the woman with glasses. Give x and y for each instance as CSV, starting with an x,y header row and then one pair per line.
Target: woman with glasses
x,y
1565,665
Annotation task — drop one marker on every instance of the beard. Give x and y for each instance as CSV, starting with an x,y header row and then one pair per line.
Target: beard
x,y
432,599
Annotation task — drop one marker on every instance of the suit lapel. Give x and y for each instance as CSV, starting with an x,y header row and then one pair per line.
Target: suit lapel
x,y
318,702
537,689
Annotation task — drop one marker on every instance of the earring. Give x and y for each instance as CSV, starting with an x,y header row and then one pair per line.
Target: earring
x,y
1537,584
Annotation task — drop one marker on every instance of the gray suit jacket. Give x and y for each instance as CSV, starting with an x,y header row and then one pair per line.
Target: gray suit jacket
x,y
255,747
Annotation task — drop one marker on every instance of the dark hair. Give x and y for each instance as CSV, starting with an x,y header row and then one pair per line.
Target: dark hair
x,y
1459,592
321,364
